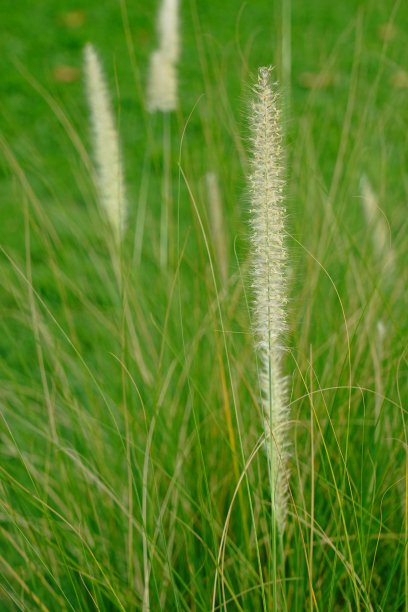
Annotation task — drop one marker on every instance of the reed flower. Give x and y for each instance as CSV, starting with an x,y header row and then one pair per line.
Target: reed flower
x,y
269,282
378,226
110,179
162,84
169,30
162,81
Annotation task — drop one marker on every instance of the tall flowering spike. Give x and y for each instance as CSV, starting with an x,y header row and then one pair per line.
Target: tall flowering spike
x,y
269,282
168,29
110,180
162,82
378,226
162,85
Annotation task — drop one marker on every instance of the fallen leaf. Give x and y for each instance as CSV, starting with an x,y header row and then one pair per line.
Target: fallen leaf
x,y
73,19
66,74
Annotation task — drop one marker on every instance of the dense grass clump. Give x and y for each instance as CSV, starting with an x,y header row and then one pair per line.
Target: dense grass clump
x,y
134,473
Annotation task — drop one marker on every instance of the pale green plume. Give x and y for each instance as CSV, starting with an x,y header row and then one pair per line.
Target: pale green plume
x,y
269,282
169,30
110,181
162,82
378,227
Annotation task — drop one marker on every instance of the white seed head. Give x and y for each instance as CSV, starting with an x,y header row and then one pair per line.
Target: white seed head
x,y
381,330
378,226
269,281
162,80
110,180
162,84
168,29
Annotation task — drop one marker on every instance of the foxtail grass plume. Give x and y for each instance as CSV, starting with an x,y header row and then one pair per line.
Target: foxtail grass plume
x,y
162,82
110,180
168,29
385,255
269,282
378,226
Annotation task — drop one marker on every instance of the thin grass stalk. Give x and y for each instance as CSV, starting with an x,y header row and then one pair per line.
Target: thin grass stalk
x,y
286,50
162,96
166,201
216,218
141,210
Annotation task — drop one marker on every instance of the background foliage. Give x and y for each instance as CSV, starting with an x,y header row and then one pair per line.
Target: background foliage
x,y
130,411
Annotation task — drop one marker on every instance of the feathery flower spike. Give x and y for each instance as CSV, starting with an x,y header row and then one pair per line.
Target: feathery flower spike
x,y
162,84
162,81
378,226
110,180
269,282
168,29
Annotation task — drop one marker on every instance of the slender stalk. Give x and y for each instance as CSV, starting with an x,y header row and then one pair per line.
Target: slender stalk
x,y
286,50
165,216
141,210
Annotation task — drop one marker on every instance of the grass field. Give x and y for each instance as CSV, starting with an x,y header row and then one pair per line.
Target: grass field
x,y
133,474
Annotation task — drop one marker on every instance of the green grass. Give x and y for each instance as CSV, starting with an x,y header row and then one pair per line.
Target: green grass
x,y
130,421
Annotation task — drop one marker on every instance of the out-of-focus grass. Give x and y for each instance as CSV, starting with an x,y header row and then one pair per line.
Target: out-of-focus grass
x,y
129,414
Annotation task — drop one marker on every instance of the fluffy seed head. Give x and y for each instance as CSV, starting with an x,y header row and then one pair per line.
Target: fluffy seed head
x,y
162,80
378,226
110,181
162,85
168,29
269,282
